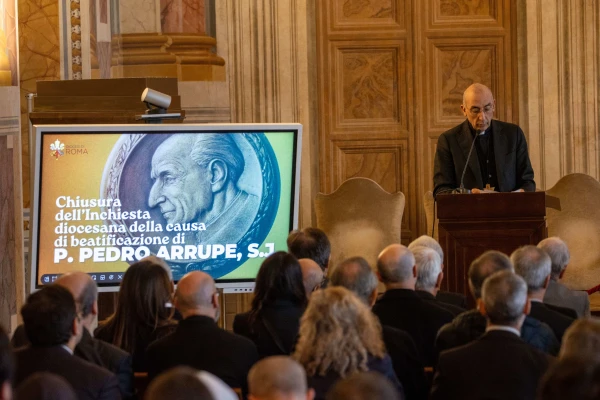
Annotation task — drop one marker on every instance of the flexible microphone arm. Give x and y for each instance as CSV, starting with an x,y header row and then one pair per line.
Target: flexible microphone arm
x,y
462,189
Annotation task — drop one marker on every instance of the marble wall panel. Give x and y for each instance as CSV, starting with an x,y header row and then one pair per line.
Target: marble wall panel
x,y
9,70
139,16
183,16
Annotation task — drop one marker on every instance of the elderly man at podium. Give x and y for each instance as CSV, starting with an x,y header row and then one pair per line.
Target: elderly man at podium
x,y
482,154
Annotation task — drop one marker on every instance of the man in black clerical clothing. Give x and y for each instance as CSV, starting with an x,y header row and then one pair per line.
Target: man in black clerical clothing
x,y
470,325
356,275
400,307
535,266
198,342
85,292
500,159
53,328
498,365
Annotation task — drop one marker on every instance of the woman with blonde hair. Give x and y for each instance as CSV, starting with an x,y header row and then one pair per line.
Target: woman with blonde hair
x,y
339,335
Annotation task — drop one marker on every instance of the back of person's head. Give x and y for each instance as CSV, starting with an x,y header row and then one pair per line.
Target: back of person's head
x,y
179,383
558,251
356,275
429,268
84,291
45,386
363,386
48,316
310,243
338,332
312,275
485,265
6,366
396,264
582,339
427,241
141,303
278,377
571,378
196,294
279,278
504,297
534,265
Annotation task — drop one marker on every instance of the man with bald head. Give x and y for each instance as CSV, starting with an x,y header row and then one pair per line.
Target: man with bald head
x,y
499,158
278,378
198,342
312,275
84,291
401,307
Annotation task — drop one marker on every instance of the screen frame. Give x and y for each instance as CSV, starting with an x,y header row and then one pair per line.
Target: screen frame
x,y
235,285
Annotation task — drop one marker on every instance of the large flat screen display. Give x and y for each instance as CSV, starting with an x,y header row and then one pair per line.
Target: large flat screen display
x,y
213,198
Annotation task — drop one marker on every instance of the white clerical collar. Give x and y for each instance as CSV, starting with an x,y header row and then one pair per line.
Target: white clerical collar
x,y
503,328
535,300
67,348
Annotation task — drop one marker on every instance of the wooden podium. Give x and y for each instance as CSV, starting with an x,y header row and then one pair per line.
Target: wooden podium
x,y
470,224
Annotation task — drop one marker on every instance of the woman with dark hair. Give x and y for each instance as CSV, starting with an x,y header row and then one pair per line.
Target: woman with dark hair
x,y
143,311
279,301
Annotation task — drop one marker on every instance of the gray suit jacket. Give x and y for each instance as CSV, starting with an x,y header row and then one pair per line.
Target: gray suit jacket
x,y
558,294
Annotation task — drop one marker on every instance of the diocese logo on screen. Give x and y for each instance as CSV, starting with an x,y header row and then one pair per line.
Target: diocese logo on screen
x,y
208,196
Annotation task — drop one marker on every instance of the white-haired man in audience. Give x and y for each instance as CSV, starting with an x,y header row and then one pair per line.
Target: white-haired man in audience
x,y
456,299
312,275
558,294
470,325
534,265
400,306
356,275
499,364
278,378
430,276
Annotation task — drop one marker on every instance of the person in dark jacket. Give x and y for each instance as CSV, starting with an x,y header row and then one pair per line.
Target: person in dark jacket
x,y
311,243
470,325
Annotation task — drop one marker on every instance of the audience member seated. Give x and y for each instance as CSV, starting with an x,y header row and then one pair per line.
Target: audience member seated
x,y
498,365
143,313
279,301
571,378
54,329
312,275
278,378
429,278
84,290
311,243
339,336
364,386
456,299
356,275
45,386
558,294
534,266
582,339
6,367
470,325
198,342
401,308
185,383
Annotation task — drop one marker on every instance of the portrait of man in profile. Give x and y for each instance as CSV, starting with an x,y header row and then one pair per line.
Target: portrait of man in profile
x,y
195,180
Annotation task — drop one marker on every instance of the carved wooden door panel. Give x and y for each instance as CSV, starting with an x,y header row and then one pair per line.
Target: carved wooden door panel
x,y
391,75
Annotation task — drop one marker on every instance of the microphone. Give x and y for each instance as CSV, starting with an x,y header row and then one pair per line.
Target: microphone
x,y
462,189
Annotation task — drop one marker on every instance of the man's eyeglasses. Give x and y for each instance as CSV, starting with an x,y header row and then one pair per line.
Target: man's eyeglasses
x,y
474,111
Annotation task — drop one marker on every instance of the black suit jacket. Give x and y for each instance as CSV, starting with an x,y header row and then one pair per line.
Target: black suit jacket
x,y
513,166
569,312
403,309
499,365
457,299
199,343
283,318
89,381
454,310
558,322
97,352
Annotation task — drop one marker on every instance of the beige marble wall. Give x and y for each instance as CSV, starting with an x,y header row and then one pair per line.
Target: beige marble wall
x,y
183,16
559,49
139,16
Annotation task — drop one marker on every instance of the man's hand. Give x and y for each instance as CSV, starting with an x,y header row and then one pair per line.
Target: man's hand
x,y
476,191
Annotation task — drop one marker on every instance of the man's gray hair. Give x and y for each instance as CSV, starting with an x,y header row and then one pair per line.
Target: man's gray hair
x,y
356,275
214,146
558,251
533,265
87,298
427,241
277,375
504,296
396,271
429,267
485,265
